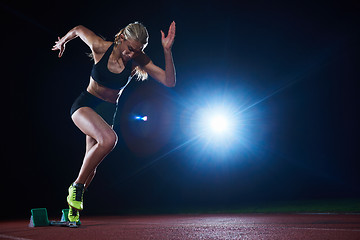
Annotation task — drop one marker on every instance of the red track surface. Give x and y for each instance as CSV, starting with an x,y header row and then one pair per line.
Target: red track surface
x,y
212,226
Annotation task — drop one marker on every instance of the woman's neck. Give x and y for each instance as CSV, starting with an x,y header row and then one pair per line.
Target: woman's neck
x,y
116,53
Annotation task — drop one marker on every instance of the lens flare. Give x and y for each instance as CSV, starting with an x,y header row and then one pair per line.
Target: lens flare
x,y
142,118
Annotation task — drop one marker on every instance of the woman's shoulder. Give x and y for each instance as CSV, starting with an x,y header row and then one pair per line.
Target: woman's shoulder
x,y
102,47
101,50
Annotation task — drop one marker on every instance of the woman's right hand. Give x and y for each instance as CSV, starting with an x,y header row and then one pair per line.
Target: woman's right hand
x,y
59,45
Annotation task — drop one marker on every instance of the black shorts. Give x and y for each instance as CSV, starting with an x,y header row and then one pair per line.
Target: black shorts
x,y
105,109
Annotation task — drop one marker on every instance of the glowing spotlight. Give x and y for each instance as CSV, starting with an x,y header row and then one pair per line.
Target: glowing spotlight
x,y
215,124
142,118
218,124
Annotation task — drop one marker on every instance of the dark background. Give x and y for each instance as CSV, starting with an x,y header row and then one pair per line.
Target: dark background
x,y
291,69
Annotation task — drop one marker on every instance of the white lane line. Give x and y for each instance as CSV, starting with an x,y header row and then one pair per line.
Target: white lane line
x,y
324,229
11,237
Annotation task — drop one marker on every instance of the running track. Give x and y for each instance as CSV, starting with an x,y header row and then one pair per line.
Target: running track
x,y
208,226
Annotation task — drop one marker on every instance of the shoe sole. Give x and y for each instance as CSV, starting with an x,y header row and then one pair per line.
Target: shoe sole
x,y
78,220
75,208
72,206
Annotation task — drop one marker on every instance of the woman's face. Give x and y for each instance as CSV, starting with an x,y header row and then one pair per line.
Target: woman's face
x,y
130,48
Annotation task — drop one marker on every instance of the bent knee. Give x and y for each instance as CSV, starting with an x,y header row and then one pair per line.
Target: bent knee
x,y
108,140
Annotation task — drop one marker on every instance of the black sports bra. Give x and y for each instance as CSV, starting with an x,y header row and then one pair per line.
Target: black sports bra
x,y
102,75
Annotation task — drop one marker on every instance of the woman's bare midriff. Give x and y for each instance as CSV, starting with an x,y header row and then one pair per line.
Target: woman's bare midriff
x,y
104,93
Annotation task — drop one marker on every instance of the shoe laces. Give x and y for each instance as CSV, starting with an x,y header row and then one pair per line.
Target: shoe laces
x,y
78,192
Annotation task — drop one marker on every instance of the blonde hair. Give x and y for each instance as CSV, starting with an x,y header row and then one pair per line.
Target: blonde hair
x,y
135,31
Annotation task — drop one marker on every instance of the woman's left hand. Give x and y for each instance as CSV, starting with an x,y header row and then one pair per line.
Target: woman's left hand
x,y
168,41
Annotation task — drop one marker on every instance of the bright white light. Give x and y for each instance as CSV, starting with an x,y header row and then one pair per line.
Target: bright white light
x,y
215,124
218,124
143,118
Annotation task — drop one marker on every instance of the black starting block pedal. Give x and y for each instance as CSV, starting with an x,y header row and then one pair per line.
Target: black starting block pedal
x,y
63,224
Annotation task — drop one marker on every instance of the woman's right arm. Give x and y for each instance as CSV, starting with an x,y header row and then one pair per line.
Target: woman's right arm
x,y
90,38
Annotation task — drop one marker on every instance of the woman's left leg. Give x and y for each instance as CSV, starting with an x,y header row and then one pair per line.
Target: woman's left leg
x,y
91,124
90,142
74,215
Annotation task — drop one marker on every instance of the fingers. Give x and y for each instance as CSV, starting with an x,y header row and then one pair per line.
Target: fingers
x,y
167,41
61,52
59,46
171,32
56,46
172,28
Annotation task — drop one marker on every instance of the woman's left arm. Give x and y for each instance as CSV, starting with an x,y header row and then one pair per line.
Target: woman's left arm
x,y
167,77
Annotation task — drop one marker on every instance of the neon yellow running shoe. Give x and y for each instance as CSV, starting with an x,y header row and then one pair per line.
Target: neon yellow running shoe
x,y
75,197
74,215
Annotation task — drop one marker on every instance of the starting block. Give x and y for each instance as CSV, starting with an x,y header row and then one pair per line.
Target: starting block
x,y
39,218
